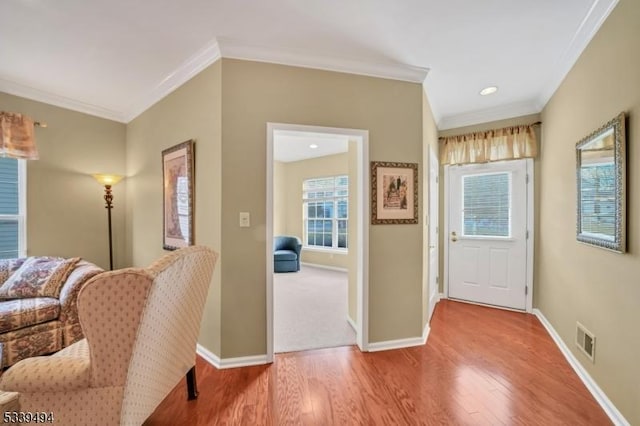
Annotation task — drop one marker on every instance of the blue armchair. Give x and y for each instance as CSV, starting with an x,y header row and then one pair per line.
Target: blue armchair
x,y
286,254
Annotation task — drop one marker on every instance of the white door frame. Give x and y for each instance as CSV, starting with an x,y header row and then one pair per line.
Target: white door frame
x,y
530,232
433,237
362,138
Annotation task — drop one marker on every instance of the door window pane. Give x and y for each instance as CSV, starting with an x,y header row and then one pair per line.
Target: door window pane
x,y
486,205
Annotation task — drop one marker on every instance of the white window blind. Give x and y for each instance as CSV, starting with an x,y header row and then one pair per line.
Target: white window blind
x,y
12,187
487,205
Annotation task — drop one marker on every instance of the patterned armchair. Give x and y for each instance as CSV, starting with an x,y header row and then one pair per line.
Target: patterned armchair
x,y
47,320
141,328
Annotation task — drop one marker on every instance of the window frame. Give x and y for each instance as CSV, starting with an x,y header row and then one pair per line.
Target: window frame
x,y
21,217
335,199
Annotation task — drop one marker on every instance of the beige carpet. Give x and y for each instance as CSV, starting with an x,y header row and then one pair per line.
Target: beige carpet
x,y
310,310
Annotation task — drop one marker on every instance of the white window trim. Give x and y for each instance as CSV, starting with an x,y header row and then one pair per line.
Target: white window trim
x,y
319,249
334,228
22,208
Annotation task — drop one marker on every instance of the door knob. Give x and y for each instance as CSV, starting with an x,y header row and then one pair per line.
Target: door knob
x,y
454,236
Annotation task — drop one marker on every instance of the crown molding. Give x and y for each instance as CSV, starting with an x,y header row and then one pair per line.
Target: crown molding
x,y
204,57
303,58
500,112
25,91
593,20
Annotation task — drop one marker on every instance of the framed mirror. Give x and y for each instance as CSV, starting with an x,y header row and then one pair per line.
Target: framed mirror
x,y
601,177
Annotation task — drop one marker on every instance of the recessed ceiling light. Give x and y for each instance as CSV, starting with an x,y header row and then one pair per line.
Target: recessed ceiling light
x,y
313,146
488,90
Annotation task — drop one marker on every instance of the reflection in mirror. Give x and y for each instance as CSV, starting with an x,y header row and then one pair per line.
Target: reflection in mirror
x,y
601,187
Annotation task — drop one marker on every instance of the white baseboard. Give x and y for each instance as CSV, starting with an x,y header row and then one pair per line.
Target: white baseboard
x,y
331,268
398,344
616,416
223,363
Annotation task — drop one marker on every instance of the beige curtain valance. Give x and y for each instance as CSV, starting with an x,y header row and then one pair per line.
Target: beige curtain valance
x,y
17,136
509,143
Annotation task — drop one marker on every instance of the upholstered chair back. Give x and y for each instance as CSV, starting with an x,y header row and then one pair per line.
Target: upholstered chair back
x,y
141,328
165,345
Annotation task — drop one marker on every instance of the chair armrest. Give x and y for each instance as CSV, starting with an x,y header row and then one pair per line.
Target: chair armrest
x,y
70,289
9,401
47,374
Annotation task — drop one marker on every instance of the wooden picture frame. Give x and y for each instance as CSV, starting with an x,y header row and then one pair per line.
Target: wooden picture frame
x,y
394,193
177,195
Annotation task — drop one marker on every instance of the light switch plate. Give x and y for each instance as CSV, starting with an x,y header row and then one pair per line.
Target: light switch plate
x,y
245,220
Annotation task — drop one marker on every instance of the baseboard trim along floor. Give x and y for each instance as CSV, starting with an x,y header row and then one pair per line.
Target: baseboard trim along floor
x,y
616,416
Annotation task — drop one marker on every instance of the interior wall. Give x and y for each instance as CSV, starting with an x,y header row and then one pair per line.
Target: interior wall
x,y
66,213
578,282
257,93
279,198
193,111
295,173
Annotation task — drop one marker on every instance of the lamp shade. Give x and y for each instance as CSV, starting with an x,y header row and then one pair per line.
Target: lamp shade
x,y
106,179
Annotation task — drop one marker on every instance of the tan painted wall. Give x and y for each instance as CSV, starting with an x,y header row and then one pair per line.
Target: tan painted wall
x,y
66,214
257,93
576,282
291,192
429,140
279,198
193,111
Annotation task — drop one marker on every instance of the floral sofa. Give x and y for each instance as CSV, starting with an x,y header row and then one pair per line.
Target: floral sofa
x,y
38,312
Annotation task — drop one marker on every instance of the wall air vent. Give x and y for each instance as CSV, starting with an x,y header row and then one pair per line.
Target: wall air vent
x,y
586,341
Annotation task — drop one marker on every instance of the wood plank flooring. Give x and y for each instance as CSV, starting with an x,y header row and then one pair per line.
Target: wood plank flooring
x,y
480,366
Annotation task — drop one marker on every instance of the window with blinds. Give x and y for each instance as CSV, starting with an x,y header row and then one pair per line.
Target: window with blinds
x,y
11,209
487,205
326,211
598,199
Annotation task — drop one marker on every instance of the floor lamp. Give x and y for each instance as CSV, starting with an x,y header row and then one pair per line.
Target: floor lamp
x,y
108,181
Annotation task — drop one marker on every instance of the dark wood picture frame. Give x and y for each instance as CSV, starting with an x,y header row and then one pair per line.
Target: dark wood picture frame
x,y
177,195
394,193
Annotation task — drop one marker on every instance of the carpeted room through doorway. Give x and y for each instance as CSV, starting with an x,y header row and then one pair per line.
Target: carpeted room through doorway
x,y
310,310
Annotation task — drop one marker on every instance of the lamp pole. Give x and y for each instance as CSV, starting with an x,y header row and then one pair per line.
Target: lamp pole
x,y
108,181
108,198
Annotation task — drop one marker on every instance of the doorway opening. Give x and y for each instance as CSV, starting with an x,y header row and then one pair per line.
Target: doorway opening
x,y
317,192
489,234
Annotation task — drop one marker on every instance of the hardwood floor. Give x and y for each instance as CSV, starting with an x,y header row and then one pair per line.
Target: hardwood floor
x,y
480,366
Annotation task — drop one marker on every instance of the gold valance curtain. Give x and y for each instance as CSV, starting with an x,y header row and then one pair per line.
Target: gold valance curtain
x,y
17,136
509,143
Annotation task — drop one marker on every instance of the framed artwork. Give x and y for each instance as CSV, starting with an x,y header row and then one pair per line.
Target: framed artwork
x,y
177,195
394,193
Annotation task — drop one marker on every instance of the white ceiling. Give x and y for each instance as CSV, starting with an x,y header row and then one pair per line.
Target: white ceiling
x,y
116,58
294,145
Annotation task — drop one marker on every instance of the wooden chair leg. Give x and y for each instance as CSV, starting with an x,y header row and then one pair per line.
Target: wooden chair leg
x,y
192,386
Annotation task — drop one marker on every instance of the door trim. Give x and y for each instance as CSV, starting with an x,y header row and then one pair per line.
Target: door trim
x,y
529,242
362,302
434,291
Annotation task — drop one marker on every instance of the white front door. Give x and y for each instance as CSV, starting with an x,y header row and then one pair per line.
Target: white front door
x,y
487,232
434,167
